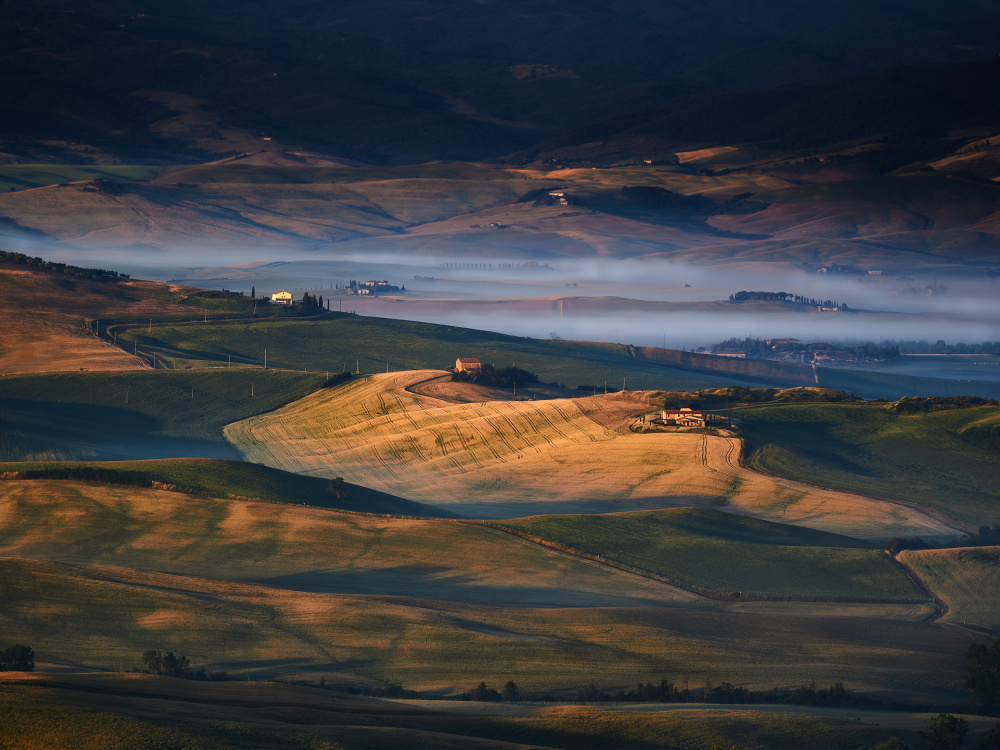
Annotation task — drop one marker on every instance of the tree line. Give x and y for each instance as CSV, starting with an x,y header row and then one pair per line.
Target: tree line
x,y
744,296
97,274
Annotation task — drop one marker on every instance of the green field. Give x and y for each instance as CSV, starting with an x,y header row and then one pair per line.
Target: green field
x,y
345,341
138,712
220,478
946,460
144,414
25,176
732,556
966,579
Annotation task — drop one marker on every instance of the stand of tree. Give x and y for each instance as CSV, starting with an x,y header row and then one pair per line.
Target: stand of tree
x,y
171,665
744,296
17,659
97,274
918,404
505,377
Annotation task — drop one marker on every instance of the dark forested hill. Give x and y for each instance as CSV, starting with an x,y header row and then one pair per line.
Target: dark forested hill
x,y
413,80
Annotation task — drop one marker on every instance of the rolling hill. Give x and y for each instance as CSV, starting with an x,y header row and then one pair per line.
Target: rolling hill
x,y
505,459
945,460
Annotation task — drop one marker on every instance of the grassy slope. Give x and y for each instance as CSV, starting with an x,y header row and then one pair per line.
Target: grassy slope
x,y
143,414
219,478
342,340
967,579
943,459
107,616
26,176
728,554
302,548
95,712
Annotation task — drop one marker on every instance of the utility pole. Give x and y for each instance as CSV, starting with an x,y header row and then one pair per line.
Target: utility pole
x,y
150,329
265,359
230,360
357,367
251,389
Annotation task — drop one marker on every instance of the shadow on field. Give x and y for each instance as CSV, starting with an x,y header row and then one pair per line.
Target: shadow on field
x,y
445,583
505,511
52,430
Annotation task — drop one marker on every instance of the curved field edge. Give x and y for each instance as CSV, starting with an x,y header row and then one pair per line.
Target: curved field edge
x,y
945,460
726,556
966,579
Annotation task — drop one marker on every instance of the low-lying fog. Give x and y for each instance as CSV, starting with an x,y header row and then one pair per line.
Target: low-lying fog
x,y
953,308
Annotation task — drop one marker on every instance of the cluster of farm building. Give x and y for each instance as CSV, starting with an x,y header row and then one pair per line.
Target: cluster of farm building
x,y
794,350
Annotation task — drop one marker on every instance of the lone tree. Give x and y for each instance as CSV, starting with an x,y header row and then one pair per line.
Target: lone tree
x,y
984,674
510,691
337,488
944,732
17,659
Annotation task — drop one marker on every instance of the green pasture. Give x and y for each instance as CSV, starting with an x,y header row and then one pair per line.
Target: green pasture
x,y
947,460
144,414
15,177
730,555
344,341
967,579
222,478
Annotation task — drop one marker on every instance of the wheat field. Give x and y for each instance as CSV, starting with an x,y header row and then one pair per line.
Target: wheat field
x,y
514,458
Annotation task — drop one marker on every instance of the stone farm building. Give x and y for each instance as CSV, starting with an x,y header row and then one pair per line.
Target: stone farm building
x,y
683,417
464,364
281,297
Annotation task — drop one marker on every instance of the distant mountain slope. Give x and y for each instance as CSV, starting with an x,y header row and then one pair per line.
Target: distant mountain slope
x,y
402,81
915,105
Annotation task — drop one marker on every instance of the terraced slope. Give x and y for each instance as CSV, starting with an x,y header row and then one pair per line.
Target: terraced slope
x,y
966,579
499,459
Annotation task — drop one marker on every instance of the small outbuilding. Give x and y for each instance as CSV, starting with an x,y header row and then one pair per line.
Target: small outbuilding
x,y
465,364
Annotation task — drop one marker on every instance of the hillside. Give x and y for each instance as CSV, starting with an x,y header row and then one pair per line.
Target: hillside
x,y
220,479
136,415
505,459
90,712
966,579
394,83
304,593
697,548
47,312
909,112
945,460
